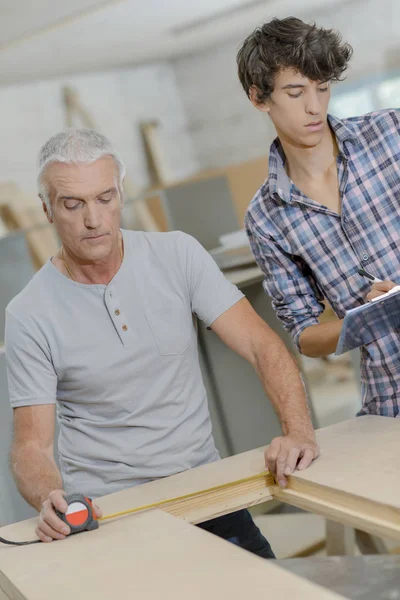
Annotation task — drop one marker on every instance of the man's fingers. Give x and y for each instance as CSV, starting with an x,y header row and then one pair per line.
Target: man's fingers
x,y
97,511
308,457
280,466
380,288
49,517
292,459
283,453
383,286
271,454
373,294
42,537
49,532
58,501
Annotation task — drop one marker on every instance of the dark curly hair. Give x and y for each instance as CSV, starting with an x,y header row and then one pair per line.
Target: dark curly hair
x,y
317,53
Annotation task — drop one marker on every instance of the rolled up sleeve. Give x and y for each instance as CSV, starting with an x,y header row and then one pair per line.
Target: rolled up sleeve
x,y
294,293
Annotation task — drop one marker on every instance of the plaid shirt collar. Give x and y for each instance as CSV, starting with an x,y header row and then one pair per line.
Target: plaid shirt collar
x,y
278,180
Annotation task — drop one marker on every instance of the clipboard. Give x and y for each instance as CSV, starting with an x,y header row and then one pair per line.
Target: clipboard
x,y
370,322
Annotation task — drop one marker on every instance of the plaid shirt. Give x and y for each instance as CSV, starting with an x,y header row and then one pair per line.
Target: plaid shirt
x,y
308,252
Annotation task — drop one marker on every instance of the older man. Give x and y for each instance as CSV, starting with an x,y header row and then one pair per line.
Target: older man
x,y
105,332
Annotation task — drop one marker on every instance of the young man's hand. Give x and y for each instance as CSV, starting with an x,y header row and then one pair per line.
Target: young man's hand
x,y
287,452
380,288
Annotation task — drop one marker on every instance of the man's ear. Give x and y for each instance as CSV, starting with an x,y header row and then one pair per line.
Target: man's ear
x,y
253,95
46,211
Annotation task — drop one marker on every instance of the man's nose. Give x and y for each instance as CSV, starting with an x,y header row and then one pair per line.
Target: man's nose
x,y
91,217
313,105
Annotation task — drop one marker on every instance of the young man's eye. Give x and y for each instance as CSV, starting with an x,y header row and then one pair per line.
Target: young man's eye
x,y
325,89
295,95
105,200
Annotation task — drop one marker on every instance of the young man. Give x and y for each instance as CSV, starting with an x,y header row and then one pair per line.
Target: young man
x,y
331,202
105,331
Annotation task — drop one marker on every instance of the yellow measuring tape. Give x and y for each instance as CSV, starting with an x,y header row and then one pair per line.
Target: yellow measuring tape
x,y
266,475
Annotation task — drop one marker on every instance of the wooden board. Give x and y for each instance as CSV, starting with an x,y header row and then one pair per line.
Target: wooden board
x,y
147,556
356,481
197,509
243,179
204,506
158,168
19,211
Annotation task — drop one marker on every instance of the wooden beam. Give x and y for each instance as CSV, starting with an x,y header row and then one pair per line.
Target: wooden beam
x,y
40,235
356,481
204,505
159,171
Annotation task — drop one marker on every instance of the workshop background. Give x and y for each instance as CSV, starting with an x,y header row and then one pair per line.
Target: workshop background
x,y
159,79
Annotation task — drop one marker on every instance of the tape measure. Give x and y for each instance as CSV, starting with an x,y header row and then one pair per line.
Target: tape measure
x,y
79,515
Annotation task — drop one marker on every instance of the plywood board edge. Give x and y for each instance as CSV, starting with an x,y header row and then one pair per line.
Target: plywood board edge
x,y
7,590
348,509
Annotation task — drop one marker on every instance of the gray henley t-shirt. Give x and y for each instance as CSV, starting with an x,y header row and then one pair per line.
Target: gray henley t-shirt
x,y
121,362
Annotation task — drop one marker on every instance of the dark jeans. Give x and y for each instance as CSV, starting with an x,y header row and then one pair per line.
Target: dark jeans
x,y
240,529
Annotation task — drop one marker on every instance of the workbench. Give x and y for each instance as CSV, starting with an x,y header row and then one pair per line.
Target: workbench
x,y
153,553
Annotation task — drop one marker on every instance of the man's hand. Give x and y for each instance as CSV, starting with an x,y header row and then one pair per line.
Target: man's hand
x,y
380,288
283,454
51,527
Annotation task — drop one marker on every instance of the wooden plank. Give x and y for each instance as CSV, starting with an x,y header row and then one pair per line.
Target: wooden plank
x,y
40,235
196,509
244,180
155,207
356,481
147,556
158,168
203,507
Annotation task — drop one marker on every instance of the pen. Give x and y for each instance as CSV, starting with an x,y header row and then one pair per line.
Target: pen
x,y
372,278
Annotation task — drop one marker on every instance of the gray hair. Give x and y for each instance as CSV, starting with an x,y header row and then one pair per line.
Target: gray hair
x,y
74,146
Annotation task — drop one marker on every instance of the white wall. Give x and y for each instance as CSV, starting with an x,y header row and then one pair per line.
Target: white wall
x,y
207,121
117,100
224,125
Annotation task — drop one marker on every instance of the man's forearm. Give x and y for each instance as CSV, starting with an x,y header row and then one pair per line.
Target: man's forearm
x,y
35,473
320,340
282,382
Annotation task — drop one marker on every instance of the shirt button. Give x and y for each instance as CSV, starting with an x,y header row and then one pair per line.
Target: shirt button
x,y
124,327
117,312
365,257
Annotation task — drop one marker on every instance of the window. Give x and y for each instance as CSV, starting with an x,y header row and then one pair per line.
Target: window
x,y
366,96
